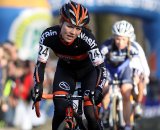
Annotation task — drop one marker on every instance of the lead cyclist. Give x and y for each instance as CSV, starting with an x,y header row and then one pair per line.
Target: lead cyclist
x,y
79,60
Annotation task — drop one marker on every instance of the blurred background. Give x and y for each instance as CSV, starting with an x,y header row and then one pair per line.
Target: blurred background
x,y
21,24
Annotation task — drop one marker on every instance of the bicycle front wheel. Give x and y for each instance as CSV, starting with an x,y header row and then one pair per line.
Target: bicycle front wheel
x,y
114,113
65,126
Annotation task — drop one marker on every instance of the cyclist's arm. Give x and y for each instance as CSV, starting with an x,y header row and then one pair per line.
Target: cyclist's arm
x,y
40,65
43,55
144,62
95,56
143,59
135,59
98,62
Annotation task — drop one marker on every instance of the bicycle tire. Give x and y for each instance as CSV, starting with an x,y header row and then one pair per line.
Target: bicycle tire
x,y
120,119
65,126
114,113
79,122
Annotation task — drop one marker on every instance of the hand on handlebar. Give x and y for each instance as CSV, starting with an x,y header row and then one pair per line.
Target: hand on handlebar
x,y
36,93
98,96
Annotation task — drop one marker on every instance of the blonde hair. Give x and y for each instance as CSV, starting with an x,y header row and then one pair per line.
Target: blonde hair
x,y
128,49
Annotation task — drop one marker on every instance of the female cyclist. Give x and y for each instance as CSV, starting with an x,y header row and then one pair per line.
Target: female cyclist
x,y
118,52
141,75
79,60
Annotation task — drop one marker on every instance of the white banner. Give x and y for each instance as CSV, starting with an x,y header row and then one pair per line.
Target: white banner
x,y
149,5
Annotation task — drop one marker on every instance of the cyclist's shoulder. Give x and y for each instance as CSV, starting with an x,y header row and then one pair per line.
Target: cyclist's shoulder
x,y
106,46
53,30
86,34
136,45
107,43
87,37
50,32
134,50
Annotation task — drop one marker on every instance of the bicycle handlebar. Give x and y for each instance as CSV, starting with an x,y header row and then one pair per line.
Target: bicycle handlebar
x,y
69,97
47,96
115,82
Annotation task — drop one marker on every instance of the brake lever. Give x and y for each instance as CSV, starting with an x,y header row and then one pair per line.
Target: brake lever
x,y
33,105
34,102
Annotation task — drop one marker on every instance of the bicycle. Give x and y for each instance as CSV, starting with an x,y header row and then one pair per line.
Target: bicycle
x,y
113,116
116,119
73,119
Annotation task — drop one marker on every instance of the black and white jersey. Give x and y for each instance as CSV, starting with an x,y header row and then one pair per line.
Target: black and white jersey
x,y
82,52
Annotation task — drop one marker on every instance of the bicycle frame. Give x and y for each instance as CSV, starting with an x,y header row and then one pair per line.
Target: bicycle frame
x,y
71,114
116,106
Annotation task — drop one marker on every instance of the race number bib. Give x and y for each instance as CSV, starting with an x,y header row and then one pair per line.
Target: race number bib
x,y
95,56
43,53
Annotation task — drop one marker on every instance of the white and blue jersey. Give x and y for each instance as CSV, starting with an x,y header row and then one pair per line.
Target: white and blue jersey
x,y
141,61
117,61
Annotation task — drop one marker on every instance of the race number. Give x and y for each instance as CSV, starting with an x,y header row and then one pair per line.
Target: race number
x,y
43,53
95,56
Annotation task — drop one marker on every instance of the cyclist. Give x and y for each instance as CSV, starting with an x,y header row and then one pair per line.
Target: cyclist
x,y
79,60
141,75
118,52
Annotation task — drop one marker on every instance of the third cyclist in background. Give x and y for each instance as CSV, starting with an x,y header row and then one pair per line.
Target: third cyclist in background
x,y
141,73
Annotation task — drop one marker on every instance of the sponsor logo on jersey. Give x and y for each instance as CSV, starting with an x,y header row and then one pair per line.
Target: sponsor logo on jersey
x,y
87,93
68,57
47,34
65,86
102,83
65,57
88,40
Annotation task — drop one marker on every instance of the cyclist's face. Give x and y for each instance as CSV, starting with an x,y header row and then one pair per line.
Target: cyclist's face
x,y
121,41
70,32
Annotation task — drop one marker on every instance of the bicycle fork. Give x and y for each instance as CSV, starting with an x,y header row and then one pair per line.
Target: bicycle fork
x,y
69,117
120,110
116,107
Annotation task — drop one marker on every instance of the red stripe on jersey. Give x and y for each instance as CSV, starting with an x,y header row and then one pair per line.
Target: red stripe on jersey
x,y
79,57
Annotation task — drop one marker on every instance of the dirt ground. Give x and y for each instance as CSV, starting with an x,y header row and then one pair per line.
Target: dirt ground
x,y
144,124
46,126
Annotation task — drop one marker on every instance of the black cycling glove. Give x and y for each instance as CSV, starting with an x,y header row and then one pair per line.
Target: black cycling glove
x,y
98,96
36,92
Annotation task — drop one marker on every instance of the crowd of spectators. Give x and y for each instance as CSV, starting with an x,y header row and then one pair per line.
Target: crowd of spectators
x,y
16,81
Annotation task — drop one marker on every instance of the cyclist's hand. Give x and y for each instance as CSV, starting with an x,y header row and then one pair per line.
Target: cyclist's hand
x,y
98,96
36,92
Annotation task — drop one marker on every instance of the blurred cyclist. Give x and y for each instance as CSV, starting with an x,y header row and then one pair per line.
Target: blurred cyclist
x,y
141,76
79,60
118,52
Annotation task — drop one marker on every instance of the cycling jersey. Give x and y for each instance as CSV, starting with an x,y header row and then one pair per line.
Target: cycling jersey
x,y
82,52
141,62
117,61
80,60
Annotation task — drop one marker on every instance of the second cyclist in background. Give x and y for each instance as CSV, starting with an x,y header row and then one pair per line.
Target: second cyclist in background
x,y
118,53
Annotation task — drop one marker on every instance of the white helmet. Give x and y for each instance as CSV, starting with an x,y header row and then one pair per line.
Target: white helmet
x,y
123,28
133,37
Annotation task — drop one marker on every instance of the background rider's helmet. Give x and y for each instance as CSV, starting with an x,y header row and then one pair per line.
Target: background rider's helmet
x,y
75,14
123,28
133,37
